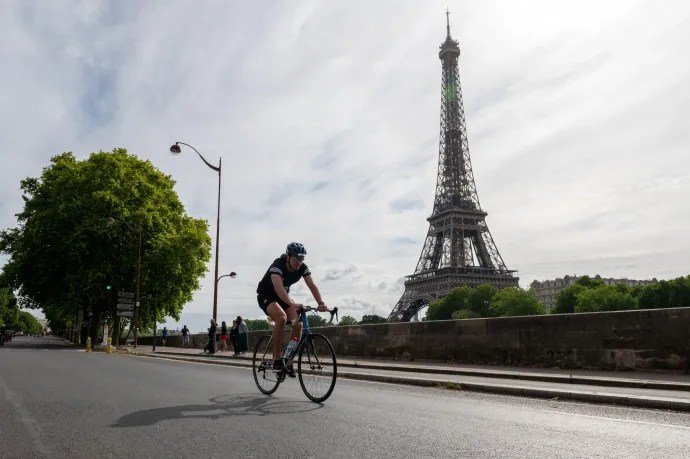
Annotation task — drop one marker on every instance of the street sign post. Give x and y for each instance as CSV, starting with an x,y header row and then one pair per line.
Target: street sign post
x,y
125,302
125,313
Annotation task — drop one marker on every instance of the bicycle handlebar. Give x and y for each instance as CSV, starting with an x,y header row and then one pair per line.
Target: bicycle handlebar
x,y
333,311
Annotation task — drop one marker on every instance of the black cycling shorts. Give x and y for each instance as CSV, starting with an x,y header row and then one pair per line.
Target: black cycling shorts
x,y
264,301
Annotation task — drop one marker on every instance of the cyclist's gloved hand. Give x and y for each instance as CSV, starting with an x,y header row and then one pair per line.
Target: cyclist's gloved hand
x,y
322,308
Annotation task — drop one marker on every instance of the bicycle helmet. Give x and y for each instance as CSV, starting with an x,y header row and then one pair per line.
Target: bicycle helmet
x,y
295,249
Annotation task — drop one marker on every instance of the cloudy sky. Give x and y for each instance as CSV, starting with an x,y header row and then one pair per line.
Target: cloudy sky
x,y
326,115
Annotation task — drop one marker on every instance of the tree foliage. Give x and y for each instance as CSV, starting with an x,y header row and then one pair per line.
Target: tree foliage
x,y
514,301
348,320
484,301
9,310
316,320
592,295
604,298
258,324
480,300
566,299
63,253
465,314
443,308
372,319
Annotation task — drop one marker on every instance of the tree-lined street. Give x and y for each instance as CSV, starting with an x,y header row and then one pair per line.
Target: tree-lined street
x,y
98,405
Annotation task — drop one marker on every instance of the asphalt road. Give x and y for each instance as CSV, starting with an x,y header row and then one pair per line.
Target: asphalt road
x,y
59,402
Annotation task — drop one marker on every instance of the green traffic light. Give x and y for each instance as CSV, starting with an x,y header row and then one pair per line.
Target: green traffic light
x,y
108,287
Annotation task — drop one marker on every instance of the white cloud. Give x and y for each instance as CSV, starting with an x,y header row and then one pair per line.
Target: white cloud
x,y
326,116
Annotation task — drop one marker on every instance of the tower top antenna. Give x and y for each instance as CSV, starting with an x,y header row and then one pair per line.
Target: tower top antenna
x,y
448,21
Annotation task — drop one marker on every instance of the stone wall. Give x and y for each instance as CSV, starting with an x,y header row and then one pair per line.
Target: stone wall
x,y
655,339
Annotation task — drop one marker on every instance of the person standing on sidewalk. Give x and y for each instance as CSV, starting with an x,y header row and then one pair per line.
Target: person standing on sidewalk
x,y
211,346
185,336
233,336
223,336
164,334
242,337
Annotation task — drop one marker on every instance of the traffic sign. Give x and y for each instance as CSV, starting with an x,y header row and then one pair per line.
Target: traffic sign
x,y
125,313
125,295
125,301
125,306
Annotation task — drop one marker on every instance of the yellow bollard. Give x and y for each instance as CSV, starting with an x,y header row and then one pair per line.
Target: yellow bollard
x,y
88,344
107,348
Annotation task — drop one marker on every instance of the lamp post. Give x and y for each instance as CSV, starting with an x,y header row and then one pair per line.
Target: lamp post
x,y
109,222
176,150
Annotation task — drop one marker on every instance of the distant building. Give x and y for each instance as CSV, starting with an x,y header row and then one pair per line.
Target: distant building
x,y
546,291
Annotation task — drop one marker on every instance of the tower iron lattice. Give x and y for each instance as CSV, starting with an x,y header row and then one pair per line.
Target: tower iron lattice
x,y
459,249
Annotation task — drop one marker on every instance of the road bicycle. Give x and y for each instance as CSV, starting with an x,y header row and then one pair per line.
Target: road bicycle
x,y
316,362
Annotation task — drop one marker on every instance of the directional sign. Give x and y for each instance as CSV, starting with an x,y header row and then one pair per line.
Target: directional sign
x,y
125,301
125,313
128,307
125,295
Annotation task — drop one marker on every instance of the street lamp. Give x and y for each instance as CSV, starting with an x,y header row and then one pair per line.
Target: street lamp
x,y
176,150
231,275
109,221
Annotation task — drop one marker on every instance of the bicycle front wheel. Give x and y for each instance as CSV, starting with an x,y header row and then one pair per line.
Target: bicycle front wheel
x,y
317,368
262,366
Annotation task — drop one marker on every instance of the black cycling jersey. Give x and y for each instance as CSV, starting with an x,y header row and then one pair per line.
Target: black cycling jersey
x,y
279,266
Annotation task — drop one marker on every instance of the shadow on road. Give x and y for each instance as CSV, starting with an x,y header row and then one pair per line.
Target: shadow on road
x,y
220,407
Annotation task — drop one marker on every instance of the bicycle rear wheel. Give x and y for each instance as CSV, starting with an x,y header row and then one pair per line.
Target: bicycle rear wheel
x,y
262,366
317,367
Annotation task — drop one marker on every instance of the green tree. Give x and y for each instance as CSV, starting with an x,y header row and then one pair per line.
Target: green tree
x,y
347,320
443,308
480,300
566,299
680,292
604,298
372,319
465,314
515,301
589,282
622,288
63,253
258,324
646,296
29,322
316,320
9,310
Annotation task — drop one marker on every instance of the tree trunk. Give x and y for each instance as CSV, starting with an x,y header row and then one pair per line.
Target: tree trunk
x,y
95,324
115,320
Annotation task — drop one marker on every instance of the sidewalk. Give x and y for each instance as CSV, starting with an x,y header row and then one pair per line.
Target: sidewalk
x,y
650,380
644,390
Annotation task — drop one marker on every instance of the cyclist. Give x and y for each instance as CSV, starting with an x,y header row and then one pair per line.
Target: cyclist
x,y
274,299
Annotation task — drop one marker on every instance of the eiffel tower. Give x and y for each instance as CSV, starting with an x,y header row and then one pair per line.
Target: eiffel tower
x,y
459,249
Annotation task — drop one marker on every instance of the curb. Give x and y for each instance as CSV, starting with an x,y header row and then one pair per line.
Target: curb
x,y
634,401
563,379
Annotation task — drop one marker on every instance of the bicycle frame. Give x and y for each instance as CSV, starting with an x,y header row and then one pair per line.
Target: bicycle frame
x,y
303,337
306,331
